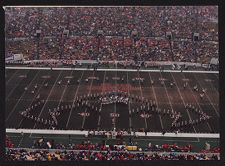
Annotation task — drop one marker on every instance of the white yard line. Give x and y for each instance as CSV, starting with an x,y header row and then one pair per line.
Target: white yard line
x,y
167,93
217,76
211,85
47,98
20,142
209,126
74,99
157,103
11,91
171,106
84,118
207,97
14,108
195,99
115,103
99,117
34,98
114,112
146,125
183,101
64,90
17,84
11,77
199,106
130,122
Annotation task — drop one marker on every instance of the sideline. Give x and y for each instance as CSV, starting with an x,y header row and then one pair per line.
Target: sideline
x,y
78,132
106,69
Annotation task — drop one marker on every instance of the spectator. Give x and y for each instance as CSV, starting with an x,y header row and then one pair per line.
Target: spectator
x,y
113,33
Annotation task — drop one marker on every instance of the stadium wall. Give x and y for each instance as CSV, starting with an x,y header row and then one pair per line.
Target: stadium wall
x,y
78,132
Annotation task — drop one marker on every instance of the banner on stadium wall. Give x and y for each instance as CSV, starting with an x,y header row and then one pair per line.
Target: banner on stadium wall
x,y
131,148
214,61
84,61
10,58
18,57
14,57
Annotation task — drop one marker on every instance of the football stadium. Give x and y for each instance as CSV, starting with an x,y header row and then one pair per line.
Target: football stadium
x,y
112,83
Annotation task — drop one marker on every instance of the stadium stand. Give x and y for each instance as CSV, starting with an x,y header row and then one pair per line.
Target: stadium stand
x,y
46,155
49,150
50,52
116,33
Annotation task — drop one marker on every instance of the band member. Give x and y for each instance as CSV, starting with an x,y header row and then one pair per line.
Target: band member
x,y
152,82
46,84
38,96
185,85
59,82
196,88
164,111
204,90
201,95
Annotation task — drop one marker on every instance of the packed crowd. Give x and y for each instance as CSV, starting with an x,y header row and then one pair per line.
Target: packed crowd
x,y
8,142
113,21
100,151
114,33
211,150
48,149
46,155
